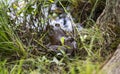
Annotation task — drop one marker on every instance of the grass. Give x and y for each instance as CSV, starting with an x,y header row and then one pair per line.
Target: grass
x,y
27,53
9,41
43,65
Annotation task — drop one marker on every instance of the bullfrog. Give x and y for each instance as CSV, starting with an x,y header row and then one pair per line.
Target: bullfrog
x,y
55,33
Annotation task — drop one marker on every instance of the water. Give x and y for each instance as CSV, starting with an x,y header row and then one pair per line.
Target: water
x,y
65,22
64,19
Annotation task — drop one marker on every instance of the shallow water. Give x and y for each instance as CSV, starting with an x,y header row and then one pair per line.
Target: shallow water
x,y
64,19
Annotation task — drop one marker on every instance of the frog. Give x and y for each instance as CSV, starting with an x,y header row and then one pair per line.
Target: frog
x,y
55,33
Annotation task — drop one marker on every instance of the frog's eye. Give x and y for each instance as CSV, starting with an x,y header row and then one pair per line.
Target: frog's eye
x,y
57,25
51,26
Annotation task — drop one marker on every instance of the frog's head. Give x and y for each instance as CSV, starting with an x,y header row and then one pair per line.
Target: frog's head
x,y
52,29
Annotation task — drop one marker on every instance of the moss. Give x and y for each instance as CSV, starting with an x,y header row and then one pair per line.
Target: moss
x,y
116,40
114,45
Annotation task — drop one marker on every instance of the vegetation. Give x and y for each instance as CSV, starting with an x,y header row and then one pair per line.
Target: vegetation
x,y
23,45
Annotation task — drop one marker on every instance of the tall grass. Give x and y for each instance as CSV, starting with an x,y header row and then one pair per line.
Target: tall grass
x,y
9,41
